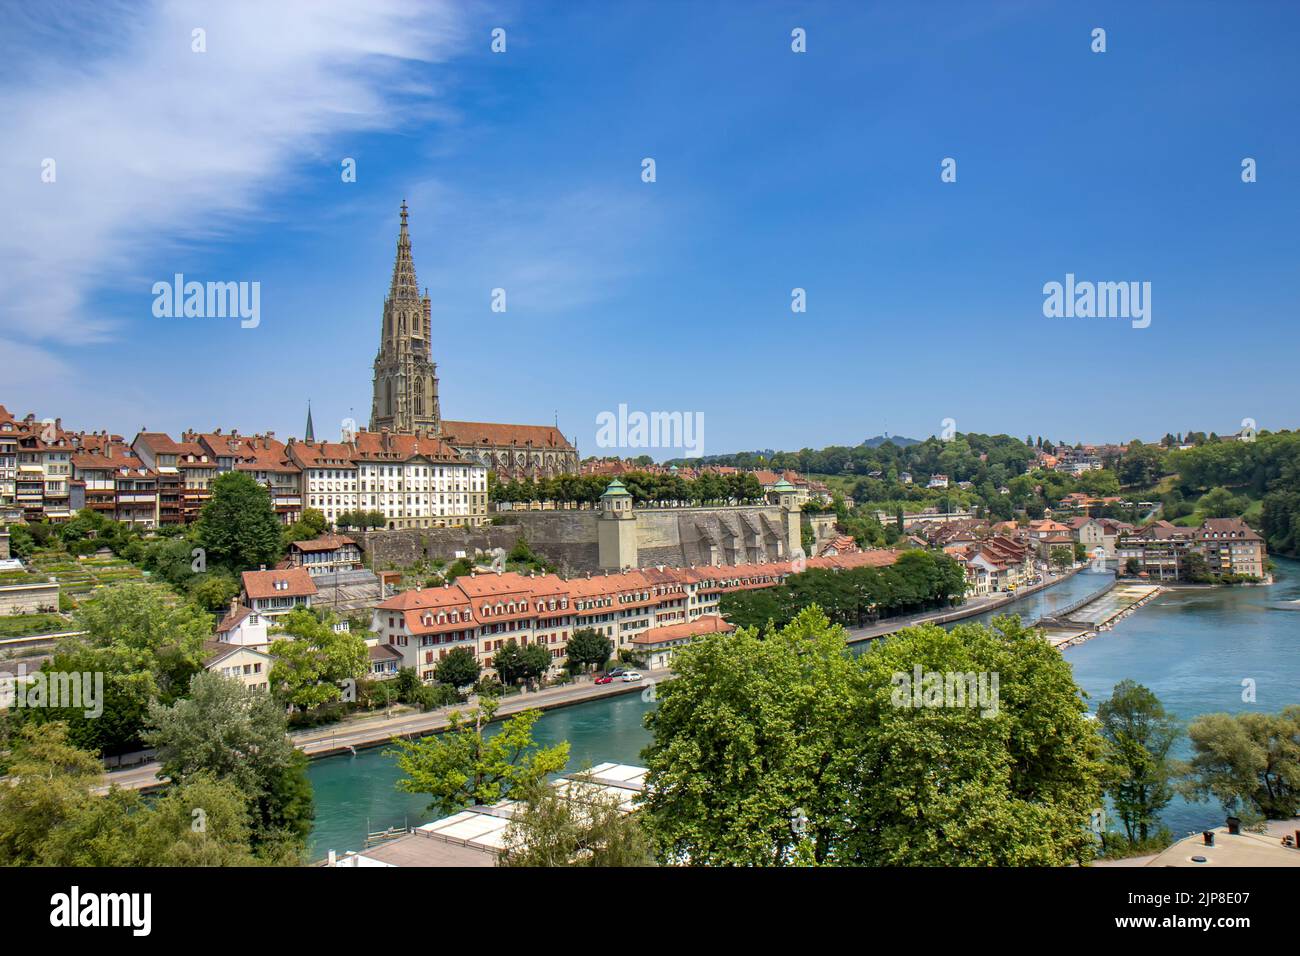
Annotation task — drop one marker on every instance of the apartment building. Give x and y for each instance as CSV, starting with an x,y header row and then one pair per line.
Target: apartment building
x,y
1231,546
1228,545
415,480
115,483
418,481
263,457
1160,549
43,470
329,476
8,458
160,455
198,471
484,612
998,563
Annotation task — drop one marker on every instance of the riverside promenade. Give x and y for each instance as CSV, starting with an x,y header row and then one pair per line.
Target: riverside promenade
x,y
973,607
358,733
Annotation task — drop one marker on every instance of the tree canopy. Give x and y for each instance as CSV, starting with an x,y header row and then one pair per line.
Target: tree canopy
x,y
781,746
463,765
238,527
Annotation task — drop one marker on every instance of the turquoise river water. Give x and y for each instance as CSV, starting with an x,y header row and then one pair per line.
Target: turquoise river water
x,y
1193,648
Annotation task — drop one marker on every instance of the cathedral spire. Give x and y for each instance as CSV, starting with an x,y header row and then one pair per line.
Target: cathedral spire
x,y
404,285
406,378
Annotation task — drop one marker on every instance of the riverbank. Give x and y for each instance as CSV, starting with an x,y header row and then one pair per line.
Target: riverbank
x,y
973,607
1191,647
362,733
1194,647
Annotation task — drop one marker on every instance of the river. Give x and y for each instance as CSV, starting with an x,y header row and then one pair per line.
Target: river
x,y
1193,648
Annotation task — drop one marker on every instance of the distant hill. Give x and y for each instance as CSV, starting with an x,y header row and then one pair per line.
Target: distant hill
x,y
898,440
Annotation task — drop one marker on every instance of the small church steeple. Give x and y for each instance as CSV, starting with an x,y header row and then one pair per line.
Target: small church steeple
x,y
310,436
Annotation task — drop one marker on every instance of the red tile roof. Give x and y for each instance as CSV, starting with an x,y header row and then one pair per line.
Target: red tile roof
x,y
707,624
489,434
326,542
263,584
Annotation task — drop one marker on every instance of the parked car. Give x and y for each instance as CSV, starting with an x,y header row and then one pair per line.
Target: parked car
x,y
616,672
630,676
604,679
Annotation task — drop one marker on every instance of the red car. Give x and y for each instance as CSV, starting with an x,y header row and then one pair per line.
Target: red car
x,y
604,679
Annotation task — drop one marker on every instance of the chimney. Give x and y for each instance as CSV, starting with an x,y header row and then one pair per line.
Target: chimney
x,y
234,604
333,858
262,568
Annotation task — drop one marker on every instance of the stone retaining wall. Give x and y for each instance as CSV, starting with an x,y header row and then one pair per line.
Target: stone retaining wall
x,y
29,598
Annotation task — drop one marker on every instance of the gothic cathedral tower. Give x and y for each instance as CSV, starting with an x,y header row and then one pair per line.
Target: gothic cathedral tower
x,y
406,378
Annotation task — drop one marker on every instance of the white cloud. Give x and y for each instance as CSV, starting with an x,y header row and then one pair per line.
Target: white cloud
x,y
156,144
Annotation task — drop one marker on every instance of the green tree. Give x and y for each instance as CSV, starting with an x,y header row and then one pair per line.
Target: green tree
x,y
1249,762
241,736
200,823
752,729
459,668
238,527
50,815
461,766
312,524
587,647
1062,557
213,592
312,662
535,661
21,542
1138,735
51,779
1219,502
580,825
1196,569
755,733
509,662
145,647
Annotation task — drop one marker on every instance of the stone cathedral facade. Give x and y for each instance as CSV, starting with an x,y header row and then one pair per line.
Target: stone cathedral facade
x,y
405,395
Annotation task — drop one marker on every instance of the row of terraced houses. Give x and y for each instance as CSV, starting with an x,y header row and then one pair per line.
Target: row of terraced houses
x,y
651,610
415,480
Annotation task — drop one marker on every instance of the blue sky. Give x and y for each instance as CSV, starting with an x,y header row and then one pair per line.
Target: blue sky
x,y
775,170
